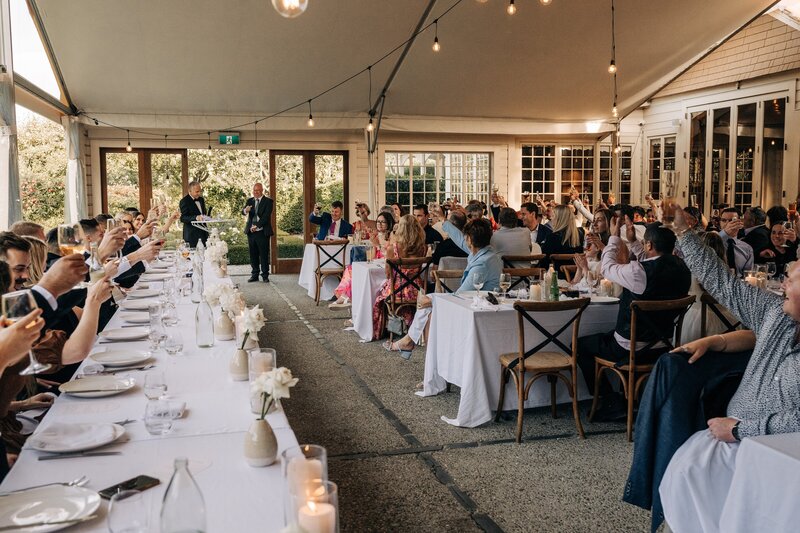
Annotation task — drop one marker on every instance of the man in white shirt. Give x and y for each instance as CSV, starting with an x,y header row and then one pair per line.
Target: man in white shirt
x,y
530,219
738,254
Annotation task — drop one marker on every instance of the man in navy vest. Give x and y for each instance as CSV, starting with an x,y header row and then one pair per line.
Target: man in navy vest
x,y
657,274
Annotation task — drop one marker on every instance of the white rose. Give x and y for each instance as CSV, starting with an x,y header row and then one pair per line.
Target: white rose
x,y
262,384
282,381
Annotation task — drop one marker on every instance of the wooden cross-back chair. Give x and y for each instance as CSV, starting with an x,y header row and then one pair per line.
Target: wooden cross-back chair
x,y
537,364
329,263
513,261
708,302
520,276
409,272
444,279
569,272
630,372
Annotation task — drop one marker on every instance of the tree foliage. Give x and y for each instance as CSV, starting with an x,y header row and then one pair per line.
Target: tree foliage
x,y
43,170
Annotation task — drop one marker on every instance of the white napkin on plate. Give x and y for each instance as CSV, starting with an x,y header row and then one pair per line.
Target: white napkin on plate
x,y
73,435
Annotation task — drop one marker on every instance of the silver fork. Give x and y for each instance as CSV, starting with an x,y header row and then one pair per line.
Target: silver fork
x,y
77,482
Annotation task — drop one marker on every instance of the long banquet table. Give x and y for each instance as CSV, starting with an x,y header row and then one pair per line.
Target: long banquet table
x,y
307,278
464,345
211,435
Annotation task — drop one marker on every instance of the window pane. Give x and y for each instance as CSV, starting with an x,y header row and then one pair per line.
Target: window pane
x,y
745,153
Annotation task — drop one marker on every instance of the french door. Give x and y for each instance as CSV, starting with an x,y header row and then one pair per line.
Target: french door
x,y
128,179
298,180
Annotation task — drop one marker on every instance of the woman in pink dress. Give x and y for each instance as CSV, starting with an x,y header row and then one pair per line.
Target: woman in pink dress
x,y
379,239
366,226
408,241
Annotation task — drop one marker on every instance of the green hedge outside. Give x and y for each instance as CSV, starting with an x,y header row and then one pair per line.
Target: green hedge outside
x,y
240,255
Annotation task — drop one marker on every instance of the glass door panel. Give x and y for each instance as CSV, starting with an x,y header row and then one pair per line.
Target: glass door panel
x,y
166,171
121,181
772,152
654,179
745,155
329,181
697,160
720,146
290,211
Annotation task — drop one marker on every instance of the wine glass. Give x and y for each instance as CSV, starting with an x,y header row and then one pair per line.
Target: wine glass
x,y
15,306
127,513
477,282
70,240
772,269
505,283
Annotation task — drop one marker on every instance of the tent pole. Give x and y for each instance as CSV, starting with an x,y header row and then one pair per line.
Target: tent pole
x,y
10,204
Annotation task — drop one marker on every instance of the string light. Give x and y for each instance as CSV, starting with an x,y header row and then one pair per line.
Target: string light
x,y
612,67
129,148
436,45
209,140
545,2
255,132
370,125
511,9
290,8
310,116
615,111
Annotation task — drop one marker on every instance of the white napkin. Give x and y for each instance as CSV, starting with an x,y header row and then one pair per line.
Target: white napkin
x,y
521,294
479,304
73,435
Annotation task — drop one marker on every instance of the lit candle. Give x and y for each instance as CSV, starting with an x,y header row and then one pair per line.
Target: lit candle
x,y
317,517
606,287
752,280
536,292
261,362
300,471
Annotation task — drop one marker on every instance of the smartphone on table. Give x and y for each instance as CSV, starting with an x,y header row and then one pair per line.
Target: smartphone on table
x,y
139,483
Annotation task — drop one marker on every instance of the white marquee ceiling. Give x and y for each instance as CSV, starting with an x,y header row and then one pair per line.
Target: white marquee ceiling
x,y
239,57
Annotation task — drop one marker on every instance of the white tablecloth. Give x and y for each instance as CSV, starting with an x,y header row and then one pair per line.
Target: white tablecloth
x,y
367,279
464,346
766,483
211,435
308,280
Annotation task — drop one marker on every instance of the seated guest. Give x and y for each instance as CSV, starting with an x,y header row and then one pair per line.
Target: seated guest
x,y
766,402
103,219
448,247
474,210
657,275
408,242
756,233
777,213
331,225
693,218
482,264
53,251
364,224
511,240
738,254
38,255
138,220
596,240
380,239
421,214
24,228
397,211
126,220
639,216
530,219
782,247
92,233
566,237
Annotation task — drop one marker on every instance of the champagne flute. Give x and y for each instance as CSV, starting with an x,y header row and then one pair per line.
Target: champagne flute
x,y
15,306
505,283
70,240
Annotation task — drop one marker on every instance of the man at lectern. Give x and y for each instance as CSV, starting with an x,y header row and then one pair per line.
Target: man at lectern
x,y
193,207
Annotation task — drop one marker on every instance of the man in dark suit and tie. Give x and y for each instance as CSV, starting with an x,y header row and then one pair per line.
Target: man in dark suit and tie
x,y
331,225
258,229
193,207
530,219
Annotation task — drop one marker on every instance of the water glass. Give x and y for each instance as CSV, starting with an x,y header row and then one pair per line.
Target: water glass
x,y
158,417
173,344
155,385
127,513
170,314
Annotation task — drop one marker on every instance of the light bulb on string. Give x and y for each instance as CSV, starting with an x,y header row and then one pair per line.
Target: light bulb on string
x,y
612,67
370,125
129,148
545,2
436,45
310,116
290,8
511,9
614,111
617,149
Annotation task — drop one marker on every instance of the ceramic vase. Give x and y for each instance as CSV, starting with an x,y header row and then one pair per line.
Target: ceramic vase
x,y
238,366
252,340
260,444
224,330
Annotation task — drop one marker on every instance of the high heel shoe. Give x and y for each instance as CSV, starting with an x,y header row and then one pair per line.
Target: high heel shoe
x,y
393,347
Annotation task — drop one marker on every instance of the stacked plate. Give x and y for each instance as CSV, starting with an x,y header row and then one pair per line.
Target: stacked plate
x,y
124,334
52,503
72,438
120,358
135,317
97,386
142,293
604,300
155,276
137,305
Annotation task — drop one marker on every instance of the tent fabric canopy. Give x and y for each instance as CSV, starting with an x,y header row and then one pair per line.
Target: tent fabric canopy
x,y
541,66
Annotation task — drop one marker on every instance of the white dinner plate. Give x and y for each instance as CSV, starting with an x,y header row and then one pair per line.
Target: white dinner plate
x,y
135,317
137,305
53,503
100,386
70,438
120,357
152,270
604,300
159,264
124,334
143,293
141,286
155,276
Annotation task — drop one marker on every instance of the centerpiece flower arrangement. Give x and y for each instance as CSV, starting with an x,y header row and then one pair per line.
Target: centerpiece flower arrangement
x,y
260,445
248,324
227,298
252,321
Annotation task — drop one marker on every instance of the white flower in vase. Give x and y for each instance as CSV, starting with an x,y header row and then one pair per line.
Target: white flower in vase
x,y
272,386
232,302
252,321
213,292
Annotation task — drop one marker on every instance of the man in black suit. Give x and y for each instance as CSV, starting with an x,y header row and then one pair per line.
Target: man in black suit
x,y
755,230
258,229
530,219
193,207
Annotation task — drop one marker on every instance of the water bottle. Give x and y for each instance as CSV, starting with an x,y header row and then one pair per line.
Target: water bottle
x,y
183,509
553,285
204,325
200,251
197,283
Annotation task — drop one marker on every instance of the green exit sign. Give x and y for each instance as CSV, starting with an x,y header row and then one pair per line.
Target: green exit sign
x,y
228,138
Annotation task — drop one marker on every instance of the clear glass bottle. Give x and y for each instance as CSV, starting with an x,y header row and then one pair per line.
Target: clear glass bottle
x,y
96,268
197,283
554,294
183,509
204,325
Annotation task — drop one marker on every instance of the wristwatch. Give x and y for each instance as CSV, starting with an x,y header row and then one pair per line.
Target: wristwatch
x,y
735,430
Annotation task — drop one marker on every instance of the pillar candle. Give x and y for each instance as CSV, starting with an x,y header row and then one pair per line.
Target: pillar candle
x,y
300,471
752,280
317,517
607,287
536,292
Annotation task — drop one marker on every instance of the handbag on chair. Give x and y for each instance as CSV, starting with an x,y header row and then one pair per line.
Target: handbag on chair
x,y
395,324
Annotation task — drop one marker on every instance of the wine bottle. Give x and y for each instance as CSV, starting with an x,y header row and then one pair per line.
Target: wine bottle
x,y
183,509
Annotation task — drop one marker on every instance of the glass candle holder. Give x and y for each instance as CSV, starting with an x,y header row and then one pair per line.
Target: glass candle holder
x,y
316,507
300,465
